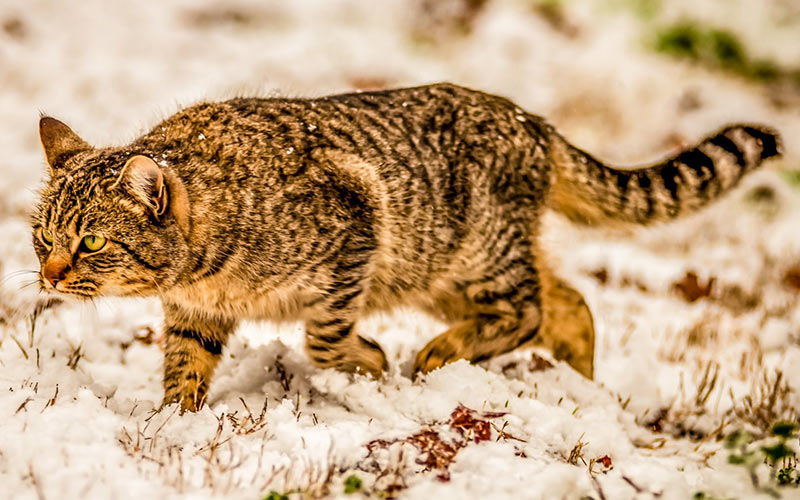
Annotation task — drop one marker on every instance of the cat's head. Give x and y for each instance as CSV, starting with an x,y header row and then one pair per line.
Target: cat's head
x,y
110,221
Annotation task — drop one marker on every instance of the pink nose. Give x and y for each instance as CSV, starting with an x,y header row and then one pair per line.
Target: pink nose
x,y
55,270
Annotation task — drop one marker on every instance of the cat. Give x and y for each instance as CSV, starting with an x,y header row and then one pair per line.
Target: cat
x,y
327,209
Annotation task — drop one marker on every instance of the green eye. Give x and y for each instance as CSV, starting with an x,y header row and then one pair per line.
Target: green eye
x,y
93,243
47,236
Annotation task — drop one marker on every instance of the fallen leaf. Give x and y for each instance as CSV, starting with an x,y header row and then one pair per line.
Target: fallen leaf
x,y
438,453
464,421
792,278
691,289
538,363
601,275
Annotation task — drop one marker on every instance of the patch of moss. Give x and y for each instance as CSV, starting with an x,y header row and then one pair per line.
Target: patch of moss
x,y
352,484
274,495
682,40
792,177
718,49
727,50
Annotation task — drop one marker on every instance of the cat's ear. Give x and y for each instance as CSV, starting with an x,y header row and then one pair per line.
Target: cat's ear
x,y
59,142
158,189
146,182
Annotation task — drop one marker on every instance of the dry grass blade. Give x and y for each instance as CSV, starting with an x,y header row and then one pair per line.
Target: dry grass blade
x,y
576,453
769,401
51,401
23,405
41,306
75,357
707,384
284,377
249,424
36,486
24,352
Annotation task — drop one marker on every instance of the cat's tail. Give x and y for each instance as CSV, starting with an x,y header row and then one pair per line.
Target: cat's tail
x,y
589,192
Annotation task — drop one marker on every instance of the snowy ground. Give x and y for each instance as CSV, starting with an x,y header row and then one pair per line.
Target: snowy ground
x,y
673,377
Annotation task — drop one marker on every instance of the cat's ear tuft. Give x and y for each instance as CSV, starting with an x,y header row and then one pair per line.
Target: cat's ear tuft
x,y
146,182
59,142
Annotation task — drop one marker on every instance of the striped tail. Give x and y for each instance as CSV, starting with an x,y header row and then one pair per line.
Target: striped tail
x,y
589,192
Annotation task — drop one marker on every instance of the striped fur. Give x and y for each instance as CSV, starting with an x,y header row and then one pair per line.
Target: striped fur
x,y
325,210
588,191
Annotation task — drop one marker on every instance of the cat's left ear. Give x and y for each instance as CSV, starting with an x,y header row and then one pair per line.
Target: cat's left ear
x,y
158,189
59,142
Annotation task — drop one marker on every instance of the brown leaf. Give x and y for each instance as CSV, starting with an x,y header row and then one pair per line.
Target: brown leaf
x,y
601,275
628,281
146,335
553,13
792,278
538,363
463,420
437,453
15,28
605,460
691,289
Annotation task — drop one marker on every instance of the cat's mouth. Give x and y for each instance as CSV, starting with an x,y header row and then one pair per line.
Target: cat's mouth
x,y
82,289
79,293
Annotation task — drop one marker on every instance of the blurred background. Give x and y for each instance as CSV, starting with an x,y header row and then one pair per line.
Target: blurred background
x,y
698,322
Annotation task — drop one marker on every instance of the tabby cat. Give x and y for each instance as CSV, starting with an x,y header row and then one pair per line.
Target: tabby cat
x,y
327,209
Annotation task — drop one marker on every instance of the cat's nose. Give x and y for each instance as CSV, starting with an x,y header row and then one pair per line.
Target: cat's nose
x,y
55,270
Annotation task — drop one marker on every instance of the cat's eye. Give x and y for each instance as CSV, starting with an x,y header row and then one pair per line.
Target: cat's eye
x,y
92,243
47,236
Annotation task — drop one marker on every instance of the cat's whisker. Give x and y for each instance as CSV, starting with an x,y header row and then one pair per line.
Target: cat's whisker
x,y
30,283
158,288
16,274
94,305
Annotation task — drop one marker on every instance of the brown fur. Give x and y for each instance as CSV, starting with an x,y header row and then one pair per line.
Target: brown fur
x,y
325,210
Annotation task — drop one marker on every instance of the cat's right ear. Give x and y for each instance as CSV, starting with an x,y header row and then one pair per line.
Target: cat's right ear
x,y
159,189
59,142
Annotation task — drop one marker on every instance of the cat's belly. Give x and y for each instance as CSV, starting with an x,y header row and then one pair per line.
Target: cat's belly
x,y
231,299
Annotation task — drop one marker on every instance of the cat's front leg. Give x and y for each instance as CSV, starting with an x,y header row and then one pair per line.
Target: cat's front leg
x,y
331,341
193,349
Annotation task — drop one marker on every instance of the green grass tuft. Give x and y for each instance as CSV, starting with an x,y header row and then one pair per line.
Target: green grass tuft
x,y
274,495
784,429
352,484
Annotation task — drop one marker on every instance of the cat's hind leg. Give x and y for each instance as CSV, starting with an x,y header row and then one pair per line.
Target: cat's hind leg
x,y
567,324
503,312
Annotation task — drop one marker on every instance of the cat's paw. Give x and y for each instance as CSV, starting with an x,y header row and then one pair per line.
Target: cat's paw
x,y
436,354
191,394
365,358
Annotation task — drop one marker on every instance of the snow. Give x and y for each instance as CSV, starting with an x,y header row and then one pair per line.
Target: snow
x,y
80,385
